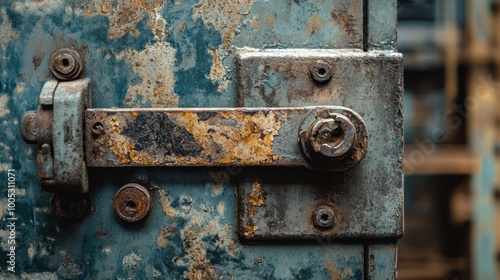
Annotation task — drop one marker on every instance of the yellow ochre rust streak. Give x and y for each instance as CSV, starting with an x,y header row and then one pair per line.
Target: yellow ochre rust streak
x,y
237,137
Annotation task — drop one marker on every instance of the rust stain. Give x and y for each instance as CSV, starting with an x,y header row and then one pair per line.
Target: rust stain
x,y
256,197
332,267
157,87
124,16
165,234
248,139
165,204
218,180
314,24
269,19
217,71
201,225
8,33
223,16
4,110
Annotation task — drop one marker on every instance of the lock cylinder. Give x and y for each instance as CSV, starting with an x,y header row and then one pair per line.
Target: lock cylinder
x,y
333,139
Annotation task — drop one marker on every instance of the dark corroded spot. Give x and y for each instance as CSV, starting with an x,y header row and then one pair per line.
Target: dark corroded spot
x,y
156,131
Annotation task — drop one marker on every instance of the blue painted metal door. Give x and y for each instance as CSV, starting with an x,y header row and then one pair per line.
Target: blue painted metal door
x,y
165,54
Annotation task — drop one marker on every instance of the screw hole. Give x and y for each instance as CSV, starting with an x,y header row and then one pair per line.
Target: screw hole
x,y
324,217
321,72
338,132
131,204
65,62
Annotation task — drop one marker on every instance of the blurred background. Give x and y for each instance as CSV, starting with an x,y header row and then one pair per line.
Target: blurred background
x,y
452,192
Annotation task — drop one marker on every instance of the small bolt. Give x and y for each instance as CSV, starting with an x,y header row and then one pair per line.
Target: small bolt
x,y
321,72
69,208
97,129
324,217
132,202
66,64
28,127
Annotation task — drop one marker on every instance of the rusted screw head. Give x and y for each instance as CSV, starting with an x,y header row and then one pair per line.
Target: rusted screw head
x,y
28,127
324,217
66,64
321,72
132,202
97,129
332,137
69,208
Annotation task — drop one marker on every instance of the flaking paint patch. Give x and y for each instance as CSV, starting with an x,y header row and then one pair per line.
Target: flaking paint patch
x,y
131,260
155,66
165,204
223,16
252,135
125,14
39,8
3,106
8,33
164,235
217,71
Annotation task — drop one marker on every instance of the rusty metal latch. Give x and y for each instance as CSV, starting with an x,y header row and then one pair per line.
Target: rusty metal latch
x,y
330,138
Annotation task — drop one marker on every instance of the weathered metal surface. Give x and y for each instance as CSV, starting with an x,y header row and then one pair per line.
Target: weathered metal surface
x,y
197,137
363,81
69,168
381,261
381,17
278,204
368,199
124,43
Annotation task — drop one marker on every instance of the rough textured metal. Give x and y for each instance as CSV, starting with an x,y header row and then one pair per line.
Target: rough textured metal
x,y
66,64
197,137
70,171
132,202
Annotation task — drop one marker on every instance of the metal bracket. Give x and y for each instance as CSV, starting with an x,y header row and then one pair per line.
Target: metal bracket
x,y
57,128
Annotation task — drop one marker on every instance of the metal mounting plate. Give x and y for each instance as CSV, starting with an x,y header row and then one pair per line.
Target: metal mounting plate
x,y
367,199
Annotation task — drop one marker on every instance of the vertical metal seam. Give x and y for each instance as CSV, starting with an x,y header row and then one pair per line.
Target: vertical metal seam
x,y
365,25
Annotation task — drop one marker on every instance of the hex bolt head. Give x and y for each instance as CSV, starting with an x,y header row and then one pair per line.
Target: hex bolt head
x,y
332,137
321,72
66,64
28,127
324,217
132,202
